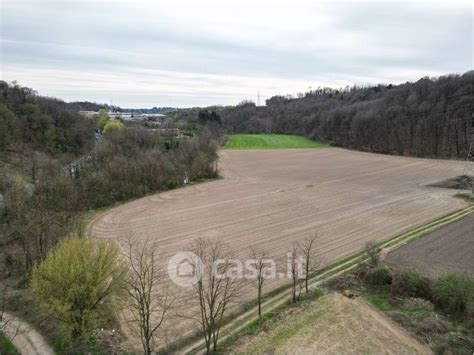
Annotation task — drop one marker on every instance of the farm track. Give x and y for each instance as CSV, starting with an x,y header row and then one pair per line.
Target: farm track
x,y
26,339
270,199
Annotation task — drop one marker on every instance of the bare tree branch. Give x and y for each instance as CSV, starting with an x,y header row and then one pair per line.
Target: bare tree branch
x,y
147,293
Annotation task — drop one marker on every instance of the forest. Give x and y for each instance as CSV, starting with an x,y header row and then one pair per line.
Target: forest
x,y
428,118
44,202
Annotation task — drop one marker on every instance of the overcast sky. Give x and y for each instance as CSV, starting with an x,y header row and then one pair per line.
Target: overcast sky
x,y
198,53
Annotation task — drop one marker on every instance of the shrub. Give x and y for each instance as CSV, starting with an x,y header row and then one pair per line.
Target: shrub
x,y
23,283
418,304
381,275
6,346
430,327
113,126
342,282
453,293
171,184
409,283
373,252
77,281
363,271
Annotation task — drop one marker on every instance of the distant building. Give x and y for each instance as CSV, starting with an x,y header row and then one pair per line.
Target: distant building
x,y
89,113
126,116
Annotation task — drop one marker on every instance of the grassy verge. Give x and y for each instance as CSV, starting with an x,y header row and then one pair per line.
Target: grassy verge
x,y
6,346
443,333
271,141
256,325
466,197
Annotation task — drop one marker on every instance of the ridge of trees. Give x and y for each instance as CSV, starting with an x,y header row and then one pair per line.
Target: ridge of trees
x,y
428,118
29,122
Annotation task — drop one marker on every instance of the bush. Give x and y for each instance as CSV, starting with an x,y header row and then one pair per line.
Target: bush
x,y
113,126
342,282
453,293
171,184
373,250
363,271
77,282
381,275
6,346
83,345
430,327
409,283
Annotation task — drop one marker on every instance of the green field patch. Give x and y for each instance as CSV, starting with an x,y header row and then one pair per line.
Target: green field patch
x,y
271,141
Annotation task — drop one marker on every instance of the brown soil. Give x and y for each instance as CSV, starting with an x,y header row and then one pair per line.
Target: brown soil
x,y
450,249
333,324
271,198
458,182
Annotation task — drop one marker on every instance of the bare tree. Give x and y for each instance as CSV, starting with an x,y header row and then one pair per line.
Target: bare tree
x,y
147,294
310,262
260,259
294,270
216,288
373,252
6,328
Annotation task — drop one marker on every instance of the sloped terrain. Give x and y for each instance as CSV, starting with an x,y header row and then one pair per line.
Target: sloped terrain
x,y
333,324
271,198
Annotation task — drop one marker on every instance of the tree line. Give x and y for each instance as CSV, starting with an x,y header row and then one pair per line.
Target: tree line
x,y
82,282
432,117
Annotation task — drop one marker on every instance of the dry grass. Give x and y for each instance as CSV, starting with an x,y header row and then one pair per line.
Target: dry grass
x,y
332,324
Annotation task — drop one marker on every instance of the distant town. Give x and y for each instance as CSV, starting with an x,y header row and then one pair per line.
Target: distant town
x,y
126,116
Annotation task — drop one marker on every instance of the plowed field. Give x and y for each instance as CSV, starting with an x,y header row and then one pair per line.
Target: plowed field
x,y
271,198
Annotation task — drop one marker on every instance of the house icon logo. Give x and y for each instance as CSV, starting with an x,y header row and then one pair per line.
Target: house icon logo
x,y
185,268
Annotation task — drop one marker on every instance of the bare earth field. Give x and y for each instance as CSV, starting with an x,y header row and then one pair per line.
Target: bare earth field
x,y
333,324
450,249
271,198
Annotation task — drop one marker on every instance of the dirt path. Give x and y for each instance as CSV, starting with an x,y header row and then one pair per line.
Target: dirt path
x,y
333,324
27,340
269,199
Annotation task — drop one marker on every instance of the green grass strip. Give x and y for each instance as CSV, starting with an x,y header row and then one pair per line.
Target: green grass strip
x,y
271,141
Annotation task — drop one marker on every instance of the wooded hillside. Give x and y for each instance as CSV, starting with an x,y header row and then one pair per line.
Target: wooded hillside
x,y
29,122
428,118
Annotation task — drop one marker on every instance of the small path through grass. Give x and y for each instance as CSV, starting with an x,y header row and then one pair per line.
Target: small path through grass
x,y
26,339
271,141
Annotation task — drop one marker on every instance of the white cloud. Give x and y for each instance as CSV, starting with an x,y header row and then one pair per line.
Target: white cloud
x,y
185,53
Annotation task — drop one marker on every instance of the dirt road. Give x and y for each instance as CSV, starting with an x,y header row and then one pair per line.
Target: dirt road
x,y
269,199
27,340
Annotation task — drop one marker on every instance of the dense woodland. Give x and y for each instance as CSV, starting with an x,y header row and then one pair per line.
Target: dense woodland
x,y
428,118
29,122
44,202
